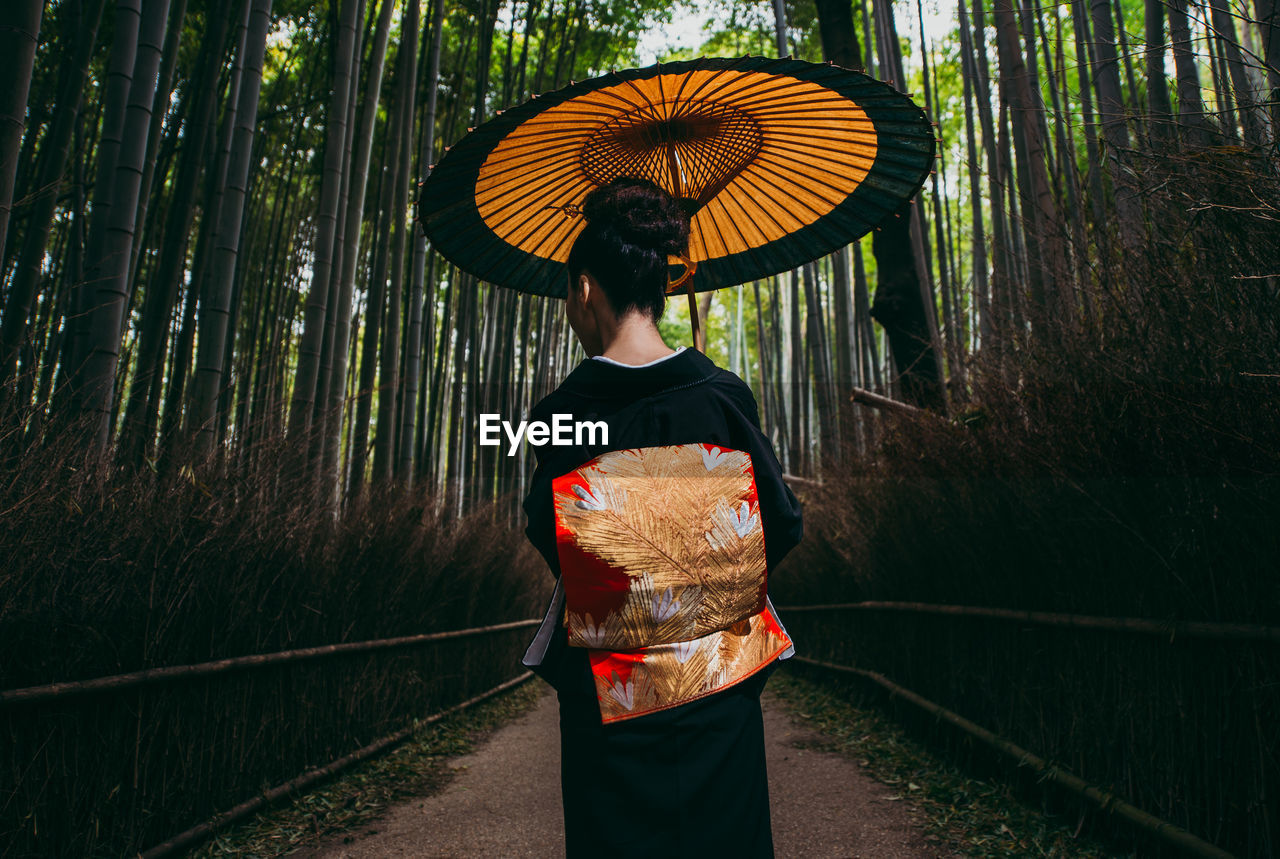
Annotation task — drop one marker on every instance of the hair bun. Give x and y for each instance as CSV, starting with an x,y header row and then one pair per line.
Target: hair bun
x,y
642,214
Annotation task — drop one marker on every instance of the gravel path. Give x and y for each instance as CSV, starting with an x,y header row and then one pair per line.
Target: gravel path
x,y
505,801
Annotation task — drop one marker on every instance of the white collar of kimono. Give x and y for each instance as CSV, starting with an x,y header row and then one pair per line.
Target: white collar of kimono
x,y
679,349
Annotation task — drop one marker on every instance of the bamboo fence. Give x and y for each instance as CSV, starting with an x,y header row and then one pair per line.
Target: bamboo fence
x,y
1148,626
152,676
1105,800
198,833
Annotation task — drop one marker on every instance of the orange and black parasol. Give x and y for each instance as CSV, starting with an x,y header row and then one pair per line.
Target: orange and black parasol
x,y
777,161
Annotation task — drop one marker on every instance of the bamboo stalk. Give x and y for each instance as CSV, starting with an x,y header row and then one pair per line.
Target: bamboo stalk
x,y
1172,628
199,833
878,401
1105,800
52,691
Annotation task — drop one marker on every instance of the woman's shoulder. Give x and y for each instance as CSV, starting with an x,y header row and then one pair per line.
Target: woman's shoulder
x,y
546,406
738,392
687,381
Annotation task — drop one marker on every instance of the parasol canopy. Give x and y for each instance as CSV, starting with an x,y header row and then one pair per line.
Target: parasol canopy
x,y
777,161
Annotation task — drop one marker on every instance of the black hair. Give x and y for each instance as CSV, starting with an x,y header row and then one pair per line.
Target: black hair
x,y
632,225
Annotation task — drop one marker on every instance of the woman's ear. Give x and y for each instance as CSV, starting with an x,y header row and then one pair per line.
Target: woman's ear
x,y
578,288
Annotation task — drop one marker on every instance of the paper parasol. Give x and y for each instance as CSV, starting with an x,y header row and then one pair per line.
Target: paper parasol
x,y
778,161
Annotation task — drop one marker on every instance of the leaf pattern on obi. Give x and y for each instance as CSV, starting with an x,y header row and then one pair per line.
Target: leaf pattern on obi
x,y
670,674
675,680
590,633
620,697
742,647
675,518
636,622
735,563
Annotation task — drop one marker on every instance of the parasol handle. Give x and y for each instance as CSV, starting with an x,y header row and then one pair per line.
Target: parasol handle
x,y
699,337
686,279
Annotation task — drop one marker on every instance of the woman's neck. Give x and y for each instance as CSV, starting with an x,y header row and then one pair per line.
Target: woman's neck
x,y
634,340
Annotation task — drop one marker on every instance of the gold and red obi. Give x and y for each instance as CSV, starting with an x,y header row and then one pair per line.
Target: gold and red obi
x,y
662,563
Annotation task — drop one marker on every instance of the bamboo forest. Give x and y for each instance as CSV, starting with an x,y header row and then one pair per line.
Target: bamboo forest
x,y
252,534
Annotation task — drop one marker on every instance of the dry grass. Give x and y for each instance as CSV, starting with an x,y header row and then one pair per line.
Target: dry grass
x,y
106,572
973,816
1130,468
355,800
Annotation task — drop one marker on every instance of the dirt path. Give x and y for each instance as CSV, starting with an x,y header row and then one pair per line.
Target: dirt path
x,y
505,801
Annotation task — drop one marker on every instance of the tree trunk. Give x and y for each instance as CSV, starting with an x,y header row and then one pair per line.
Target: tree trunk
x,y
161,291
903,305
1159,109
1191,118
1268,12
115,103
429,395
819,359
981,288
318,450
950,298
413,333
164,92
175,423
305,383
1122,41
863,323
1022,11
19,35
377,299
1111,115
764,395
434,420
841,295
798,380
215,298
110,269
467,288
83,17
1075,252
1004,244
900,301
359,183
1250,119
839,39
408,94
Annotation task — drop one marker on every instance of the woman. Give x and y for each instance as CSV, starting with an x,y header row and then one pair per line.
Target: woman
x,y
660,635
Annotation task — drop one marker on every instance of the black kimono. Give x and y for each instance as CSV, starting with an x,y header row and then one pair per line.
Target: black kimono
x,y
659,645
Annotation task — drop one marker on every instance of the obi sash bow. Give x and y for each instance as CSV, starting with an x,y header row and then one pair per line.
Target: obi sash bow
x,y
662,563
